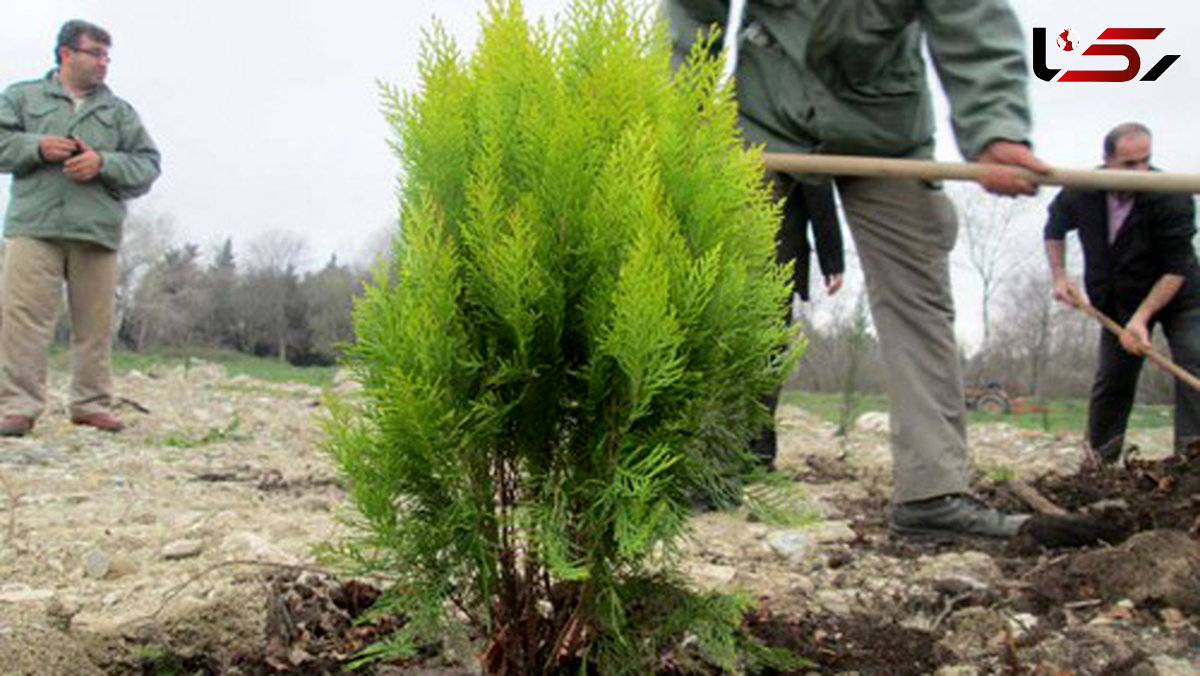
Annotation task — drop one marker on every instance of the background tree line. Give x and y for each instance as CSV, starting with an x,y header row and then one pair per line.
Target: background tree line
x,y
258,300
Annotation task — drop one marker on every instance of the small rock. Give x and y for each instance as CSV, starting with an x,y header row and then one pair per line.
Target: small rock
x,y
1108,505
711,576
97,564
23,593
1174,619
957,670
876,422
1170,666
834,601
974,632
118,482
113,598
959,572
1022,623
827,532
790,544
182,549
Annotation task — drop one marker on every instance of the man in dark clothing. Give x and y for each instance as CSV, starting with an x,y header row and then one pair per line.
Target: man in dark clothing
x,y
811,206
1139,269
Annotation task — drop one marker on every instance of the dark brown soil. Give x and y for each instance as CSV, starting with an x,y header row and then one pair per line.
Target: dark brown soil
x,y
861,644
1145,495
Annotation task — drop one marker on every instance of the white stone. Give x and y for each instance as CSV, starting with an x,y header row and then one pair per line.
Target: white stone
x,y
834,602
97,564
790,544
23,593
875,422
182,549
827,532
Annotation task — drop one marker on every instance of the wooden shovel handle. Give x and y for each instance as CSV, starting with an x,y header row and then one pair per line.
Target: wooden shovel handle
x,y
1158,359
885,167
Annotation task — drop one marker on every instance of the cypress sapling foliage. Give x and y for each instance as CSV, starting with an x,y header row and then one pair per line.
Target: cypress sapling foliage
x,y
571,342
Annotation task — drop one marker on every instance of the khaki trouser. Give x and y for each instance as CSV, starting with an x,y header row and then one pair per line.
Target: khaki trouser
x,y
34,272
904,231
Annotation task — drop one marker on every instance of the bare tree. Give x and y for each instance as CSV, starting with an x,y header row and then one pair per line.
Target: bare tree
x,y
276,250
992,247
147,238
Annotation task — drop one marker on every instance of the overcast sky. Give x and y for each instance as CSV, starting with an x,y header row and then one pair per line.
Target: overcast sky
x,y
266,111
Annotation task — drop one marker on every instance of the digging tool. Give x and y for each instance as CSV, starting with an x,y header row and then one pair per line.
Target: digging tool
x,y
883,167
1158,359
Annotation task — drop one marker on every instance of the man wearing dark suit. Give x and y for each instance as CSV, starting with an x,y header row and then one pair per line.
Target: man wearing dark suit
x,y
811,206
1140,269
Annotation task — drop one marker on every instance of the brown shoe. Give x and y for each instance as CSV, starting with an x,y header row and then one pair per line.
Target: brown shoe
x,y
15,425
101,421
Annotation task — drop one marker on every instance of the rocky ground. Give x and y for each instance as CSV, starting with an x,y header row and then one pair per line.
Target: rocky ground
x,y
184,545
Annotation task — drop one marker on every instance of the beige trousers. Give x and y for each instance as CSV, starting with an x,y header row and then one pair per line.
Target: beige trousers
x,y
904,231
32,281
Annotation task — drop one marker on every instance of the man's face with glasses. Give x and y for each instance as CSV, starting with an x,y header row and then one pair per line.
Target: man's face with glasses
x,y
86,64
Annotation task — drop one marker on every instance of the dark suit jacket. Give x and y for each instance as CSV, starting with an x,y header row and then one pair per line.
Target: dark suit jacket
x,y
1156,240
811,205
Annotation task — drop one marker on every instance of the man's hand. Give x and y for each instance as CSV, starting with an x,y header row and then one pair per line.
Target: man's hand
x,y
84,166
1065,292
833,283
1136,339
1001,178
56,149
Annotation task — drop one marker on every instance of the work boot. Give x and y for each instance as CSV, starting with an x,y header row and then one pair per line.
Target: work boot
x,y
101,420
953,517
15,425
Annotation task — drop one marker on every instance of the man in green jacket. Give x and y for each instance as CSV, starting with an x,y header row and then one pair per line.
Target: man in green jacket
x,y
76,153
848,77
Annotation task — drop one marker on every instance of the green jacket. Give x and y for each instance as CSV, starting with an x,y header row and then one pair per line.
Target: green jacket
x,y
44,203
847,76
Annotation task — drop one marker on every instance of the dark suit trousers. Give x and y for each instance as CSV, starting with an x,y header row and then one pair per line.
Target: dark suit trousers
x,y
1117,374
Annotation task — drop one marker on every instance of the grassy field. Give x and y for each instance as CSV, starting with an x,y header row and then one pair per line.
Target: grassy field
x,y
1058,415
236,363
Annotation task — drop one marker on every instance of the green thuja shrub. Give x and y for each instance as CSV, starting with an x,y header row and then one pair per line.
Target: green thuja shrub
x,y
570,344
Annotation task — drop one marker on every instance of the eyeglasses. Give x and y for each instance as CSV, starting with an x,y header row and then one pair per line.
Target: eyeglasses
x,y
98,54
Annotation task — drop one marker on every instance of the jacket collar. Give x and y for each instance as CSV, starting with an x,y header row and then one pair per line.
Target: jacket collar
x,y
51,86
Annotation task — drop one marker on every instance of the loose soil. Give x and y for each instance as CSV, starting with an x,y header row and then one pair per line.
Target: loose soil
x,y
184,545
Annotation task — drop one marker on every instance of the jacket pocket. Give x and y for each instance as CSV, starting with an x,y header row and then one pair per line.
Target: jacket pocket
x,y
40,119
100,130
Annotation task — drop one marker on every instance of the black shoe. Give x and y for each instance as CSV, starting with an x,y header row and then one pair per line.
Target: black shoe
x,y
953,517
1110,453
